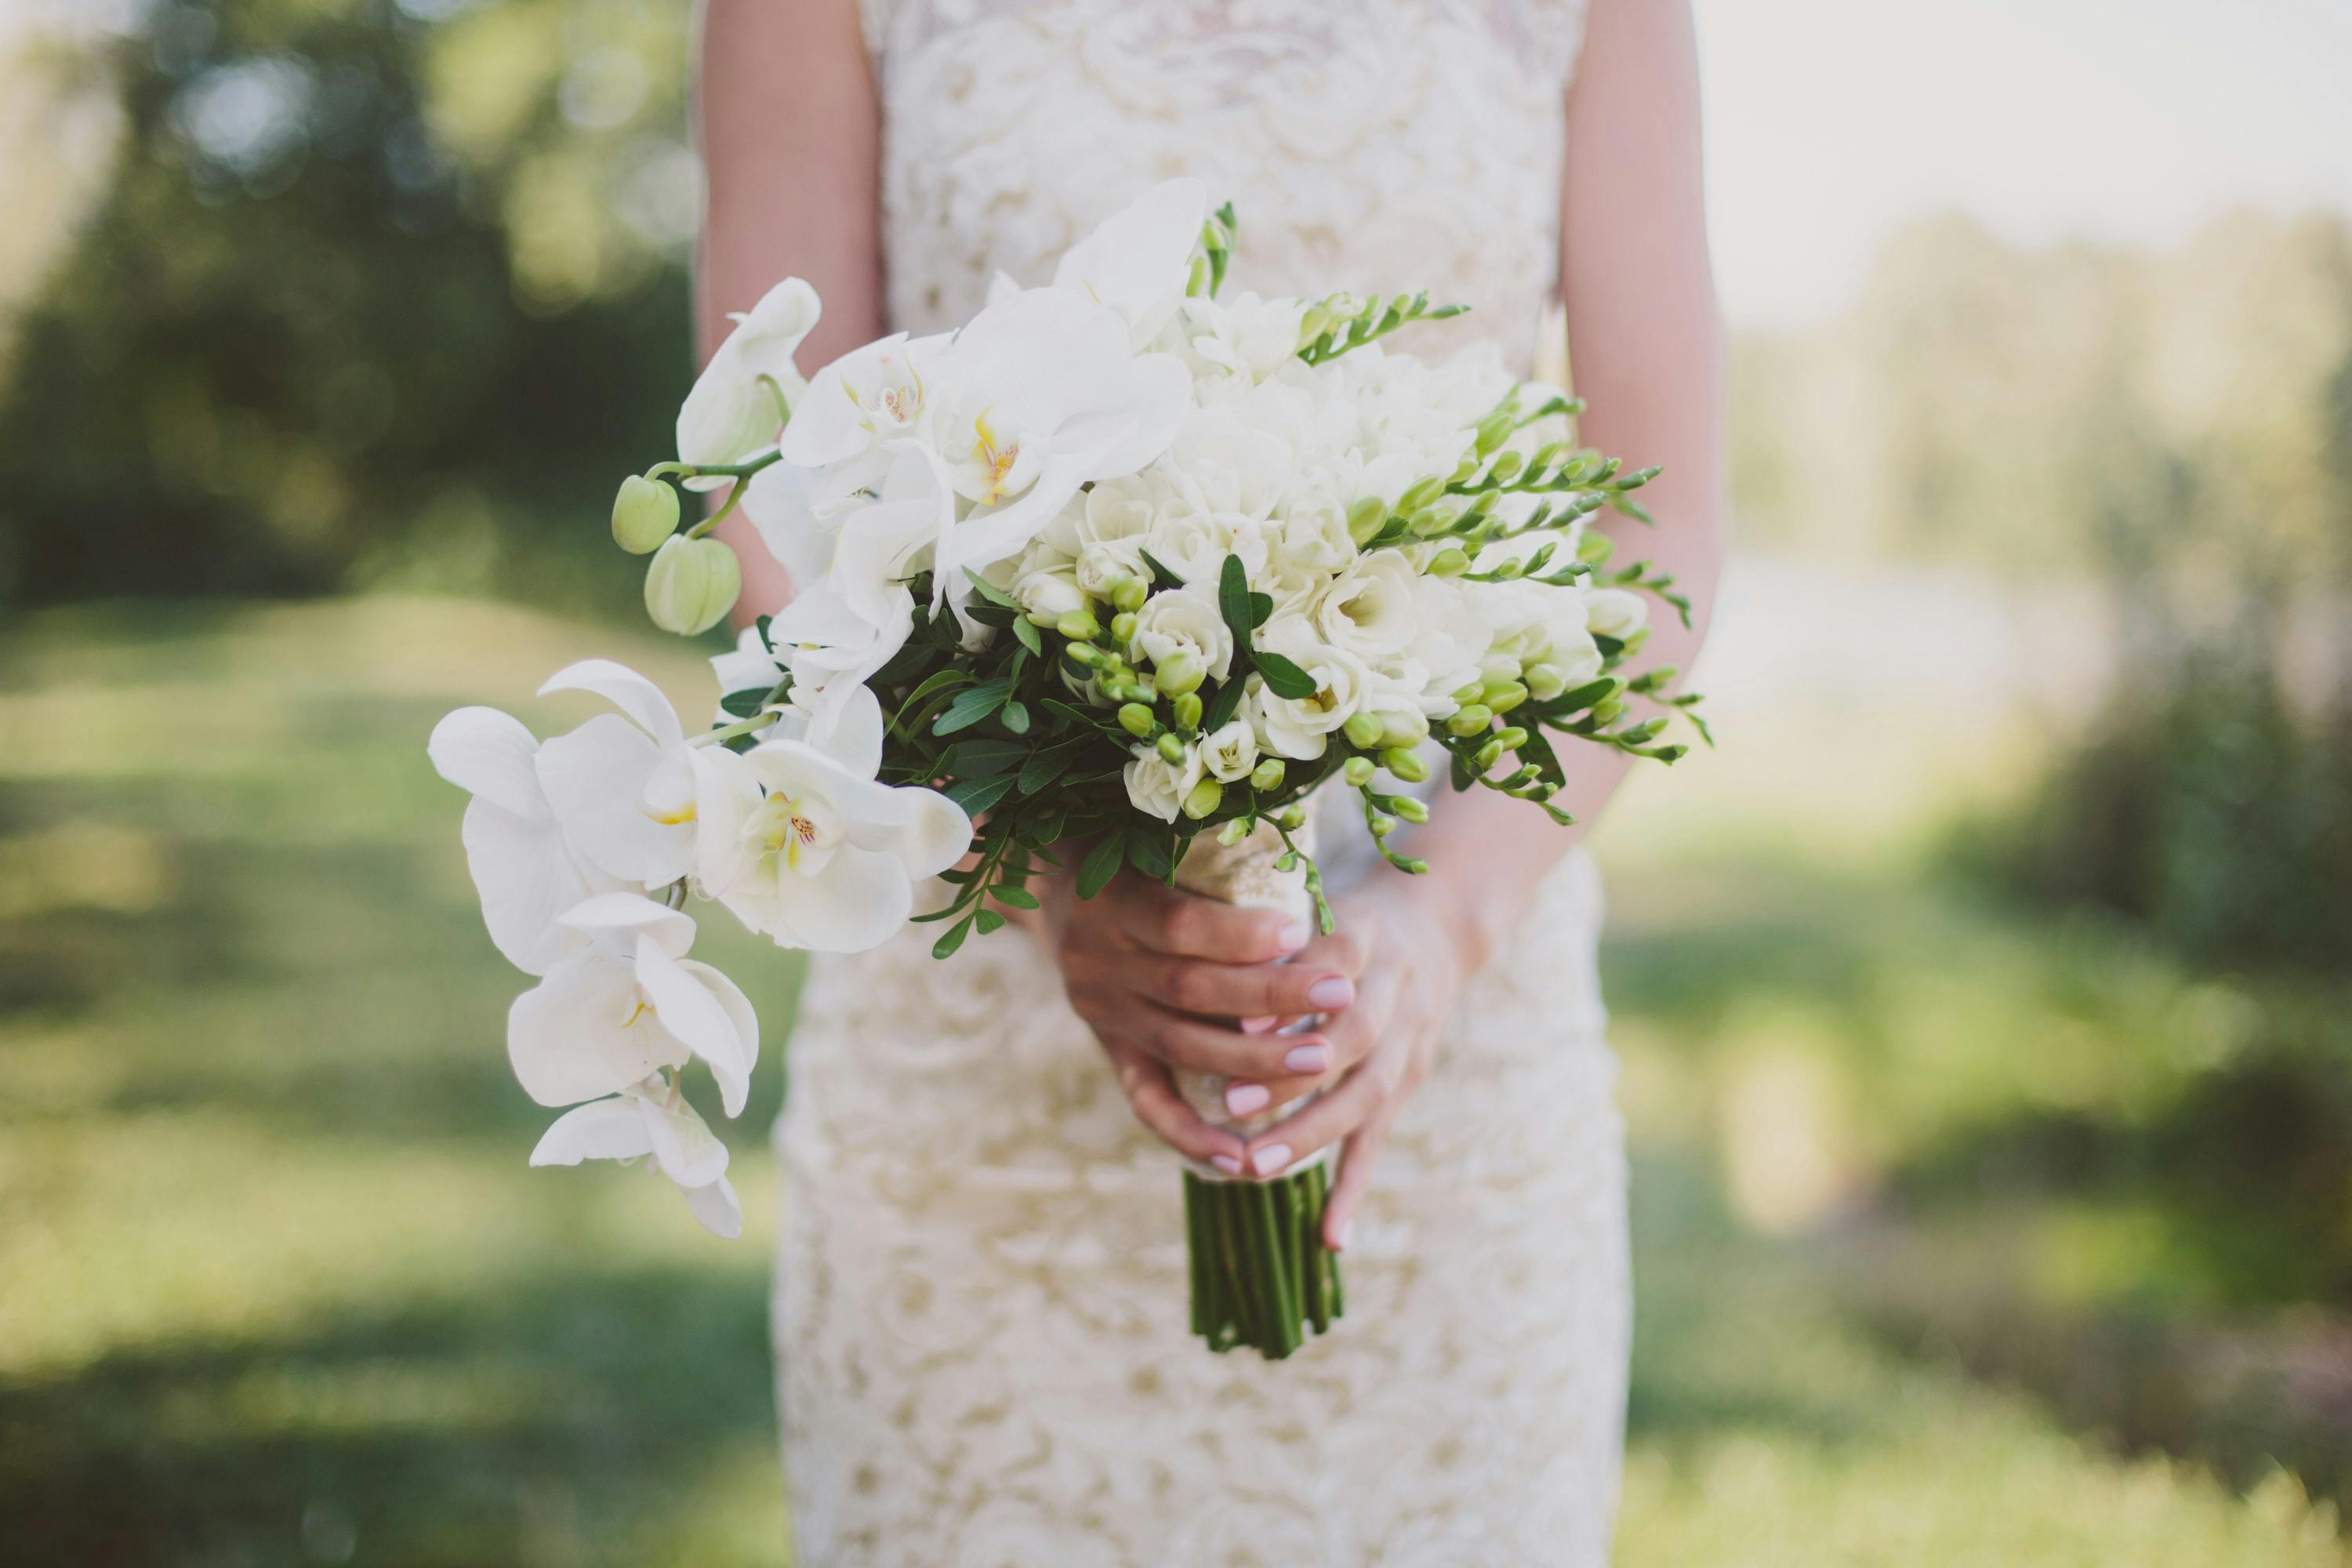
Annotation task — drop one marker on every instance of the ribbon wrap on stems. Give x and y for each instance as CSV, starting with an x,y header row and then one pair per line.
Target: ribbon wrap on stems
x,y
1260,1273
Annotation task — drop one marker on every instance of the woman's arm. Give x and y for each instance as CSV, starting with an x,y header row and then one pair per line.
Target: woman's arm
x,y
791,136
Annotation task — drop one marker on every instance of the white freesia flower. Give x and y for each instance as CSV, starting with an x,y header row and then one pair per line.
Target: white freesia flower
x,y
1233,344
651,1118
1193,543
1617,613
1373,609
731,413
1140,258
1231,753
629,1003
626,787
525,864
1157,786
1297,728
1225,464
1186,621
805,847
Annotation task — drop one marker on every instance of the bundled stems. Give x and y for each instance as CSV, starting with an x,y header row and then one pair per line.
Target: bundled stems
x,y
1261,1274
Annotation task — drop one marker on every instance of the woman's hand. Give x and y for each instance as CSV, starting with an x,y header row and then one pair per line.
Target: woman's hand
x,y
1410,966
1167,979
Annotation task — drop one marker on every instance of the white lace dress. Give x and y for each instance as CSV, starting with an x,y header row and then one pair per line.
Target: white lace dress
x,y
981,1289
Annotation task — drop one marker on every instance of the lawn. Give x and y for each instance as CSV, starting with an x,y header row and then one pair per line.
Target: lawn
x,y
276,1286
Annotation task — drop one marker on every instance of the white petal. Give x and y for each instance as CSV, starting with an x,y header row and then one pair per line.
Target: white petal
x,y
488,752
750,665
740,1011
527,875
625,689
725,792
628,916
693,1013
859,901
596,778
690,1153
601,1129
580,1033
1138,260
715,1205
936,835
850,733
777,500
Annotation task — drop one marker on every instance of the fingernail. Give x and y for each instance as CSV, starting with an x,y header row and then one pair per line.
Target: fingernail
x,y
1308,1058
1244,1097
1331,990
1271,1158
1293,935
1266,1026
1347,1234
1227,1164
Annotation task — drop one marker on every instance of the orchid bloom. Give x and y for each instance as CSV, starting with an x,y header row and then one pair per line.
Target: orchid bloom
x,y
629,1003
626,787
526,864
1138,260
651,1118
803,845
734,411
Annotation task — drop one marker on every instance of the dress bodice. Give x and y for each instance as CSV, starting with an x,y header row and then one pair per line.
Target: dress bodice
x,y
1367,145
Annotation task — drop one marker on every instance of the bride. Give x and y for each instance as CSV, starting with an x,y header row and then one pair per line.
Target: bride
x,y
980,1299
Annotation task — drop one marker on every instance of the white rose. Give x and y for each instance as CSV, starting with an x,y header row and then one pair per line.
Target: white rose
x,y
1157,786
1231,753
1372,610
1186,621
1617,613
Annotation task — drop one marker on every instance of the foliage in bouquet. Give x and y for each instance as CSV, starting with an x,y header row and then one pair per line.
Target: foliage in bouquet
x,y
1120,562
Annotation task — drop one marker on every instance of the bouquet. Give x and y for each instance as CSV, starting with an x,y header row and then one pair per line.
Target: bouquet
x,y
1126,573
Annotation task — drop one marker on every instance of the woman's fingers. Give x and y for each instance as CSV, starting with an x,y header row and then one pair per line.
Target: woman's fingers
x,y
1189,1043
1361,1096
1233,991
1152,1095
1181,924
1356,1163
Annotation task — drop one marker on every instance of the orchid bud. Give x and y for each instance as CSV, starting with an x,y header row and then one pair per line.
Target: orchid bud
x,y
691,584
1137,721
1367,517
644,513
1357,770
1451,562
1178,673
1187,706
1203,798
1470,719
1172,748
1502,696
1122,627
1364,729
1078,626
1545,681
1411,807
1406,764
1127,593
1268,775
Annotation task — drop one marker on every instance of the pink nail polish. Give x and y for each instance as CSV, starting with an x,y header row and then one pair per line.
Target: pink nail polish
x,y
1227,1164
1332,991
1307,1059
1293,935
1261,1025
1271,1159
1244,1097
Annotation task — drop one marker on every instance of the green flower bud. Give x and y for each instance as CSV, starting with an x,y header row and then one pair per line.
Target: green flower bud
x,y
1545,681
1429,521
1366,517
1078,626
1420,496
644,513
1268,775
691,584
1137,721
1172,748
1493,431
1502,696
1470,693
1122,627
1086,654
1232,832
1470,719
1382,825
1364,729
1506,467
1188,710
1147,686
1403,727
1292,817
1178,673
1498,667
1546,455
1488,754
1608,711
1357,770
1312,324
1040,618
1511,737
1412,809
1414,868
1406,764
1451,562
1127,593
1204,798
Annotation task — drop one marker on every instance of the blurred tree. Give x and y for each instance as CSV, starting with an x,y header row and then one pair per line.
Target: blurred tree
x,y
378,292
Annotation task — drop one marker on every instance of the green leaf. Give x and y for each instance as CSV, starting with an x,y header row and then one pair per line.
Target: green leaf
x,y
1147,851
1233,603
1097,720
990,591
1044,767
971,707
1101,864
744,703
1583,697
1017,898
765,640
989,921
1031,639
979,759
1223,705
945,947
1284,678
1016,717
930,686
1261,608
1159,571
976,795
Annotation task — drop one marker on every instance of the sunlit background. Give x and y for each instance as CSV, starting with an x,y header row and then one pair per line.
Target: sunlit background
x,y
1986,1001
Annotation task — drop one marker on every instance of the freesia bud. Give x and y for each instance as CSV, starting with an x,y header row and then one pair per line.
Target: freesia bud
x,y
691,584
1232,832
1137,721
1382,825
1502,696
1470,719
644,513
1470,693
1506,467
1204,798
1545,681
1493,431
1366,517
1127,593
1178,673
1420,496
1122,627
1412,808
1364,729
1488,754
1429,521
1187,706
1172,748
1406,764
1608,711
1498,667
1357,770
1268,775
1404,727
1084,653
1414,868
1511,737
1078,626
1451,562
1292,817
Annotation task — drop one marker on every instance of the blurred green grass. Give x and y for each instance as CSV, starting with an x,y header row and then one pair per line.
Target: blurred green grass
x,y
276,1286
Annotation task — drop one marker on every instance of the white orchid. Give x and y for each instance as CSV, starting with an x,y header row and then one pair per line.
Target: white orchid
x,y
651,1118
1138,260
526,865
627,1003
626,787
733,410
804,845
